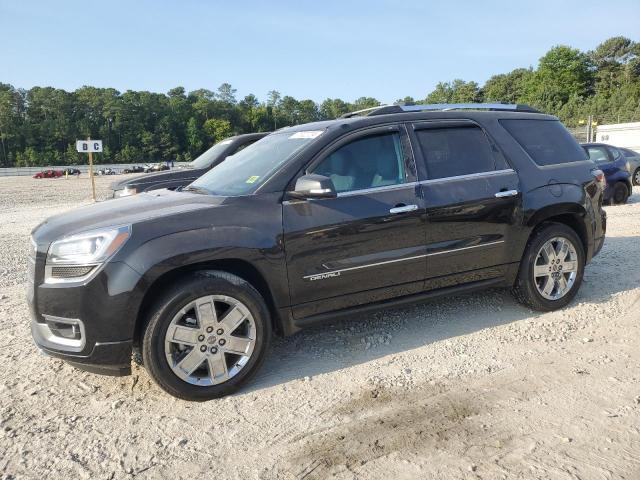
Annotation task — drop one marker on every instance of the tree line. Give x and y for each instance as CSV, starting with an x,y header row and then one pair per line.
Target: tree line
x,y
39,126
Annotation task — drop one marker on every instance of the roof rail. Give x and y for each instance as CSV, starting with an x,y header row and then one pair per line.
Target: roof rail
x,y
470,106
365,111
386,109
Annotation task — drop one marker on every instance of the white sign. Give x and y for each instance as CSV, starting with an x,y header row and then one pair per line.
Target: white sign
x,y
86,146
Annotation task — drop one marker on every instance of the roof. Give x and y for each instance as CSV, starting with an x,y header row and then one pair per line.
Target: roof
x,y
371,120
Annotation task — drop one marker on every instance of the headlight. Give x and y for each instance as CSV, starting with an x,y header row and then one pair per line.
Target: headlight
x,y
78,257
125,192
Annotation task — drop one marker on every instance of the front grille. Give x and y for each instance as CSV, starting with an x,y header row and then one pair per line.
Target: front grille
x,y
71,271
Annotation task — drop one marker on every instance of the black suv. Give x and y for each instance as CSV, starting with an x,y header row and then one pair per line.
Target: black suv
x,y
183,176
394,205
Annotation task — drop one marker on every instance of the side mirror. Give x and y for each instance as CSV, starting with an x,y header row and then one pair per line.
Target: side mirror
x,y
314,186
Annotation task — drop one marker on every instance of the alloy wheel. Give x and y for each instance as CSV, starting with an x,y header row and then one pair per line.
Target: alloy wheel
x,y
210,340
555,268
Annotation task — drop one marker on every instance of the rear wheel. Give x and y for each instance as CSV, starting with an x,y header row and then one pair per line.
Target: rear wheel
x,y
207,336
620,194
551,269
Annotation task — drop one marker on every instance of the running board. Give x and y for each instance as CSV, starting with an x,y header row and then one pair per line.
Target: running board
x,y
399,302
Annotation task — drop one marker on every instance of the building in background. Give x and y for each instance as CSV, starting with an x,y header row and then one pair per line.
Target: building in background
x,y
625,135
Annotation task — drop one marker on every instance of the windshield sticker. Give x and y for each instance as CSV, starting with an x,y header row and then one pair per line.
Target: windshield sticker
x,y
253,179
307,134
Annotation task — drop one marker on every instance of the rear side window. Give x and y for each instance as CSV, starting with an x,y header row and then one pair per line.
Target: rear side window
x,y
451,152
546,141
597,154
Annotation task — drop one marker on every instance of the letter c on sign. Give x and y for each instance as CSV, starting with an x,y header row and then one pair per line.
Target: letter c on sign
x,y
95,147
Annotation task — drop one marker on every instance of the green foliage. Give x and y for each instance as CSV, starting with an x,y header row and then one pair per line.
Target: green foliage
x,y
39,126
457,91
568,83
217,130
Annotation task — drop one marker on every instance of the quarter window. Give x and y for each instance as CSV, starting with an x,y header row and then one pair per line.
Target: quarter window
x,y
369,162
546,141
451,152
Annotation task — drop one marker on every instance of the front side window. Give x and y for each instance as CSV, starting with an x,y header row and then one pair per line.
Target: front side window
x,y
369,162
455,151
597,154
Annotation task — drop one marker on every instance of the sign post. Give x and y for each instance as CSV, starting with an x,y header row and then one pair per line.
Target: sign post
x,y
89,146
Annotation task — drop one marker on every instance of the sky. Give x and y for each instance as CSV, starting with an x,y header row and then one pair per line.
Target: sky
x,y
331,49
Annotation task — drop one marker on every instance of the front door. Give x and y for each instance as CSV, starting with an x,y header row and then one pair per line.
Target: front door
x,y
368,243
472,201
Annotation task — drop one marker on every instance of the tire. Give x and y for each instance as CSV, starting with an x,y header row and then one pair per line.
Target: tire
x,y
527,288
636,177
177,309
620,194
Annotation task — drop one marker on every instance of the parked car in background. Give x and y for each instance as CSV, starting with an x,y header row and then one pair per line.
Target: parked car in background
x,y
314,222
155,167
634,162
134,169
72,171
183,176
49,174
616,170
107,171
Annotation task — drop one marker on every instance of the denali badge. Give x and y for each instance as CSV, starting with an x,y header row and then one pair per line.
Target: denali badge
x,y
322,276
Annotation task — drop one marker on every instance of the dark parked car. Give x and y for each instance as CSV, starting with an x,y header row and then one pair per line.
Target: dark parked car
x,y
72,171
182,177
311,223
616,170
134,169
49,174
155,167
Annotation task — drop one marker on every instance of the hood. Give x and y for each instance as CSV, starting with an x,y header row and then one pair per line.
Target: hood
x,y
148,179
145,207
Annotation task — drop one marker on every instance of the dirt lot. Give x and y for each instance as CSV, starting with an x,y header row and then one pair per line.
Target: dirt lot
x,y
468,387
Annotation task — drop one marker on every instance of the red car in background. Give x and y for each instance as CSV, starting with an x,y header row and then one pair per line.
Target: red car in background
x,y
49,174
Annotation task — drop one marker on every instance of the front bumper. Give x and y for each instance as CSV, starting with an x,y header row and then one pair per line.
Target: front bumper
x,y
90,325
112,358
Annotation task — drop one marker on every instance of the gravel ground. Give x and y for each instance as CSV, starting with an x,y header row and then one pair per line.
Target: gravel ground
x,y
469,387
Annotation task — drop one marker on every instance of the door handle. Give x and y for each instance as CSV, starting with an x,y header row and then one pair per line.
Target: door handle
x,y
403,209
507,193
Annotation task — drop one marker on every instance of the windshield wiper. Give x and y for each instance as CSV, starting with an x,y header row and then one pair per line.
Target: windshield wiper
x,y
195,189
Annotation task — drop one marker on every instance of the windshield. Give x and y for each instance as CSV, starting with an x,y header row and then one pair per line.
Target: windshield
x,y
244,172
207,158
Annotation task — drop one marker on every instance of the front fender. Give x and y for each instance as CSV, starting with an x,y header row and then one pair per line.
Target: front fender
x,y
206,246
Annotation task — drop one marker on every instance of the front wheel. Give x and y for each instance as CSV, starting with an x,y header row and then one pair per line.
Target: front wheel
x,y
636,177
551,269
207,336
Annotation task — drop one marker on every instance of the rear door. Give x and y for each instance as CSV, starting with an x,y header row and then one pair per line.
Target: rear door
x,y
367,244
472,202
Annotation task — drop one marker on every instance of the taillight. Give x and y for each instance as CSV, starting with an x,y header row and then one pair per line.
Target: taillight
x,y
599,176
